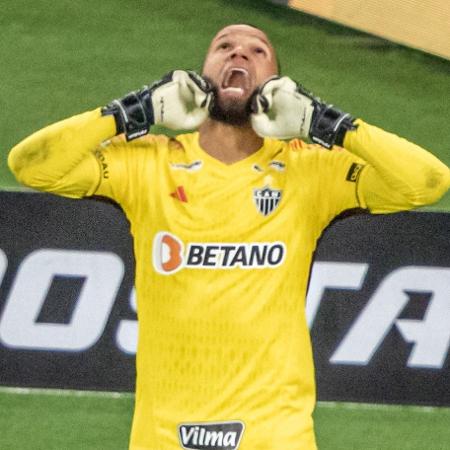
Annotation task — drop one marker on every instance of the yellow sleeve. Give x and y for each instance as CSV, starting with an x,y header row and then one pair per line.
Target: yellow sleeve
x,y
338,179
399,175
125,165
59,159
329,178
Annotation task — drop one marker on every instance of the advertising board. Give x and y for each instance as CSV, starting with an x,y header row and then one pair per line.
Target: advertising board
x,y
378,303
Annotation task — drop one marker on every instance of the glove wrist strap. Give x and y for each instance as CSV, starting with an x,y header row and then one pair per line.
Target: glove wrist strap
x,y
133,113
329,125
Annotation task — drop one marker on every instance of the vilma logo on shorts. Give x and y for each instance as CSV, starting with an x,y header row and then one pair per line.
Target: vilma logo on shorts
x,y
210,436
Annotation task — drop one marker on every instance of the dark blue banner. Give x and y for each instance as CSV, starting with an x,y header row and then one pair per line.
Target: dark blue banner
x,y
378,303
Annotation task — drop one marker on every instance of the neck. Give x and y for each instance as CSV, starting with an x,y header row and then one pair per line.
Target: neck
x,y
228,143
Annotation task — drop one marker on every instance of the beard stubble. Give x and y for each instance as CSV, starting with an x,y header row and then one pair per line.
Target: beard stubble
x,y
232,111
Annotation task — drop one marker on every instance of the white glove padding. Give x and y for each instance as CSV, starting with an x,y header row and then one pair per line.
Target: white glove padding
x,y
281,111
180,100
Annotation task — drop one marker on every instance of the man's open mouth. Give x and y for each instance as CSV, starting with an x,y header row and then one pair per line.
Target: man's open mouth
x,y
236,80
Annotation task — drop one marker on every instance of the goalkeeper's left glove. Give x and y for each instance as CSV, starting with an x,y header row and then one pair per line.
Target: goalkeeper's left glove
x,y
284,109
180,101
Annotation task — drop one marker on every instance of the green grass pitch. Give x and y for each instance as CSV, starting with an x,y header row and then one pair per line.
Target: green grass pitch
x,y
71,420
61,58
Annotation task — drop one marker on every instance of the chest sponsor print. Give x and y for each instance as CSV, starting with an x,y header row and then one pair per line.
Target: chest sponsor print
x,y
171,254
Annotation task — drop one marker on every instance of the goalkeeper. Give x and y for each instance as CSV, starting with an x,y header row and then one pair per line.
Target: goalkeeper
x,y
225,221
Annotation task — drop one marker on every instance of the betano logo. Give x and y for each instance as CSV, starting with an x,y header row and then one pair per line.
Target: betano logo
x,y
171,255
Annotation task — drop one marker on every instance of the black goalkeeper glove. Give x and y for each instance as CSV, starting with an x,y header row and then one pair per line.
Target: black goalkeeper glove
x,y
284,109
180,101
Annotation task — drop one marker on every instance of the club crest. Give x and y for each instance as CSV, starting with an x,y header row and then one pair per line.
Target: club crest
x,y
266,199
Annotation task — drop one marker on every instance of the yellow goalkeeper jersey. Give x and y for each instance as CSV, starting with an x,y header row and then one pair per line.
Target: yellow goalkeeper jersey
x,y
223,255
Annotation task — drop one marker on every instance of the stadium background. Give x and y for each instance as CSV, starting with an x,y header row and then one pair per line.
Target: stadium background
x,y
60,58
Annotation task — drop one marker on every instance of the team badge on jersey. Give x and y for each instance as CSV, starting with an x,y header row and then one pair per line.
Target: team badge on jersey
x,y
266,199
210,436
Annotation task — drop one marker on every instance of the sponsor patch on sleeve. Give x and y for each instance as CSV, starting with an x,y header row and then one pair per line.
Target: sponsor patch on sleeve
x,y
354,172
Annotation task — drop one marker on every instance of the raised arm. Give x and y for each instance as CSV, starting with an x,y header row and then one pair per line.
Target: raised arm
x,y
398,174
58,158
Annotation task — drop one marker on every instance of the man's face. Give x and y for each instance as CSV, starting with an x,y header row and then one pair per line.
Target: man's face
x,y
239,59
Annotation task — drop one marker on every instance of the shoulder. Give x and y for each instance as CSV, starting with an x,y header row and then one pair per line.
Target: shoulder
x,y
143,149
312,159
306,150
301,152
148,141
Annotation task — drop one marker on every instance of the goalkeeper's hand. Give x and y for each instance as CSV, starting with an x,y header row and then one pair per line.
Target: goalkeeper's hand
x,y
284,109
180,101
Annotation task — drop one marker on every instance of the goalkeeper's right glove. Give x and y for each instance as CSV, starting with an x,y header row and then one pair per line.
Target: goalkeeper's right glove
x,y
180,101
284,109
